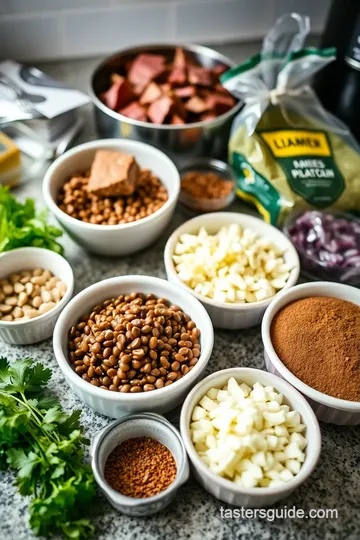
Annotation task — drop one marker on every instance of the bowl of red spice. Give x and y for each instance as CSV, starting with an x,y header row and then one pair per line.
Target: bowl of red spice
x,y
139,462
207,185
311,336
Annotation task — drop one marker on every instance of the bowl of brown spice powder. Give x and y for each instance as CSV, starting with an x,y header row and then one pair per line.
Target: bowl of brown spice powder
x,y
139,462
311,336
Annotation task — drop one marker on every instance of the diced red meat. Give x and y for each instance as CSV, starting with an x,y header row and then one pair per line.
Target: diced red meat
x,y
177,76
151,93
221,103
184,92
200,75
118,95
179,58
165,88
144,69
134,111
197,105
219,88
159,109
176,120
219,69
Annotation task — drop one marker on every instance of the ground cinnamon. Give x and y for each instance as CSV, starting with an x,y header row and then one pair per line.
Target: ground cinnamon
x,y
318,339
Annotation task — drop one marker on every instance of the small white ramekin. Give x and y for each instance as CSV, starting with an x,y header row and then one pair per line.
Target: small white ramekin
x,y
113,240
116,404
227,315
327,408
28,258
139,425
225,490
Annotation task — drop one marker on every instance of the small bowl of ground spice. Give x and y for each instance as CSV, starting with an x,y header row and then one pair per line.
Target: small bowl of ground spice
x,y
207,185
311,337
139,462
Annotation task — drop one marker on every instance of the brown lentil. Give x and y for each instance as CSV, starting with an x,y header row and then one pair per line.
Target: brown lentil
x,y
142,363
140,467
76,201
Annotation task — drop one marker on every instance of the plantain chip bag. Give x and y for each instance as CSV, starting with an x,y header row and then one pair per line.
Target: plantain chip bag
x,y
287,152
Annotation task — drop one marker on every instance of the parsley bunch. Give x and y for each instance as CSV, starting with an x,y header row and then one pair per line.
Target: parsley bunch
x,y
21,226
45,446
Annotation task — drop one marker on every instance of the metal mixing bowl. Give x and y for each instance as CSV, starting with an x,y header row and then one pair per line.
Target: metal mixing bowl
x,y
182,143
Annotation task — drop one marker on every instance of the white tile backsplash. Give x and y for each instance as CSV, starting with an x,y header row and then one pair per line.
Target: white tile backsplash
x,y
38,37
48,29
110,30
222,20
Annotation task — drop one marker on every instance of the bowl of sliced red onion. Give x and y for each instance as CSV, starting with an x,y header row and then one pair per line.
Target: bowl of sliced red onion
x,y
328,244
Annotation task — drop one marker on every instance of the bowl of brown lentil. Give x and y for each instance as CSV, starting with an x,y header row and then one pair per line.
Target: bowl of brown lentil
x,y
35,285
139,462
127,352
112,225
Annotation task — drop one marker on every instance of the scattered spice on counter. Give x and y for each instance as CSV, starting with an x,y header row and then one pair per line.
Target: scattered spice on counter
x,y
28,294
206,185
248,435
233,265
140,467
318,338
93,197
134,343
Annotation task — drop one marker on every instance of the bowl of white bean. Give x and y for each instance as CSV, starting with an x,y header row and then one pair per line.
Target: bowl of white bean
x,y
35,286
251,437
233,263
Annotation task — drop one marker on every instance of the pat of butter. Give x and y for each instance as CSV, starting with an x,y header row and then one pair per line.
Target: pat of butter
x,y
10,161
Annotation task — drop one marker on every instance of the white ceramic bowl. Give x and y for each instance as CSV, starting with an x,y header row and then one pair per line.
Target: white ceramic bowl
x,y
39,328
139,425
226,315
224,489
327,408
116,404
112,240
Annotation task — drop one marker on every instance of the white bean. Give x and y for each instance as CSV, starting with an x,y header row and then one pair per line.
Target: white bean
x,y
38,280
17,312
18,287
7,318
37,272
22,299
56,296
44,308
11,300
31,313
61,287
14,277
46,296
29,288
8,289
4,308
36,301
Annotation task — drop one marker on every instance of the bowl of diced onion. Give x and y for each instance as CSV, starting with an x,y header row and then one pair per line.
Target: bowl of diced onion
x,y
251,437
233,263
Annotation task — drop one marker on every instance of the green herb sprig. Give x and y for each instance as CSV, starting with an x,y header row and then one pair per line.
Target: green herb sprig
x,y
21,225
46,448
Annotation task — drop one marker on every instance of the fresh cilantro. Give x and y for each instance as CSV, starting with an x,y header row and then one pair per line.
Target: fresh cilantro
x,y
21,226
45,447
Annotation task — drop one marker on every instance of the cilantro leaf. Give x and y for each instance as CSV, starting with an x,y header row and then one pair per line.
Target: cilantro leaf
x,y
44,445
21,226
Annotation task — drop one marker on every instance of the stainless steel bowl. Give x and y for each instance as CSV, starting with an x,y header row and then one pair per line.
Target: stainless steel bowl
x,y
181,143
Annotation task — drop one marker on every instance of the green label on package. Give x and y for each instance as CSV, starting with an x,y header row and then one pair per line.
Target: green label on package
x,y
307,160
253,187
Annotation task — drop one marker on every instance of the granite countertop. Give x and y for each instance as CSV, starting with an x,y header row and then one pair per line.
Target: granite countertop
x,y
194,514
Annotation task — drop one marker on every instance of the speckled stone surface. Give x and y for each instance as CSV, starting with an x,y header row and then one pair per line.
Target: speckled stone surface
x,y
194,514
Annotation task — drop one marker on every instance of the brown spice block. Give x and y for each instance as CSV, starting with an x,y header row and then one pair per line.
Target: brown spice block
x,y
113,173
318,340
140,467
